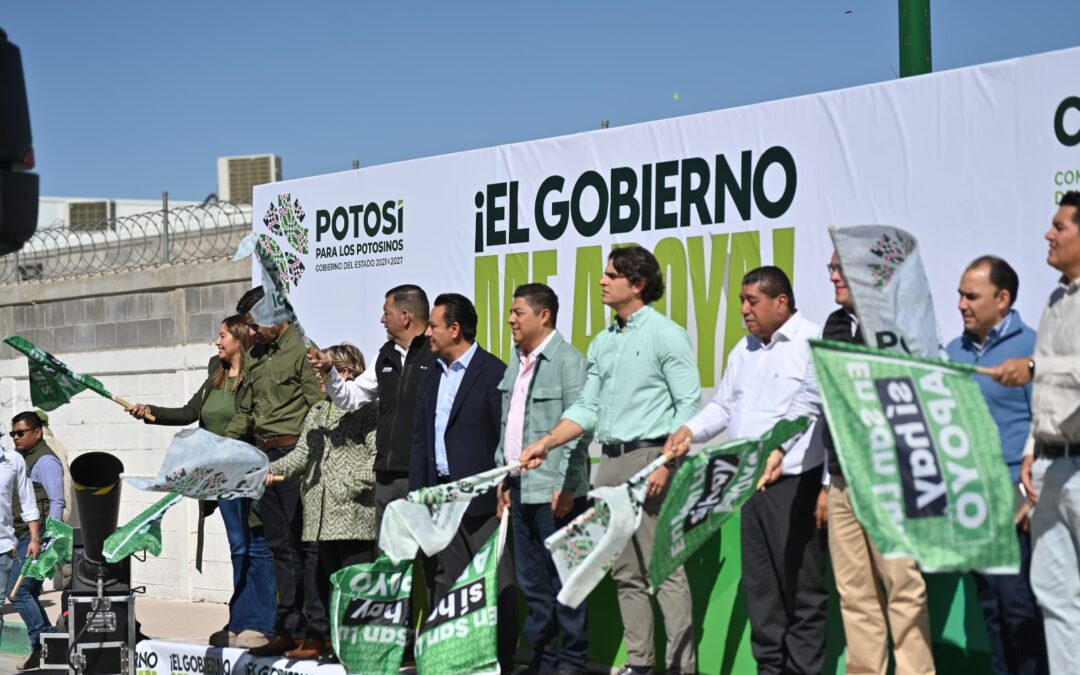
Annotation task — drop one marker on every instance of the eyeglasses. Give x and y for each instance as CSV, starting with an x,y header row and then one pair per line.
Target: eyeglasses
x,y
22,432
834,268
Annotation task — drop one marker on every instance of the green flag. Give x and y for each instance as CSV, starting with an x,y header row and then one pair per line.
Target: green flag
x,y
707,489
55,550
52,382
460,634
143,533
921,455
369,614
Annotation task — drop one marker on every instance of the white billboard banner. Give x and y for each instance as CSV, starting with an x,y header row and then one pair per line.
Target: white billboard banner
x,y
969,161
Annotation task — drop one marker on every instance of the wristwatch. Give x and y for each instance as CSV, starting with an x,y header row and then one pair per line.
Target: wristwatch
x,y
1031,367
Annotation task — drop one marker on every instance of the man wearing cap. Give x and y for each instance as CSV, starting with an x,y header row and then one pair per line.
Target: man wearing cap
x,y
46,476
276,391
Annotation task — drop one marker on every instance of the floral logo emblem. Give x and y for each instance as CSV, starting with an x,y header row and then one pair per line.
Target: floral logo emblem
x,y
893,252
285,219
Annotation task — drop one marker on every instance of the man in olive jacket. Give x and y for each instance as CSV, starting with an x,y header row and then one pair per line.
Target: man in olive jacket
x,y
544,378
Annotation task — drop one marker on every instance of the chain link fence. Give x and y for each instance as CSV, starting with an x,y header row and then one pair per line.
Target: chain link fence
x,y
188,234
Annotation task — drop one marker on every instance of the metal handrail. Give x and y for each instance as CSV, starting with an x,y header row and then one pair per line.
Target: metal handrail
x,y
188,234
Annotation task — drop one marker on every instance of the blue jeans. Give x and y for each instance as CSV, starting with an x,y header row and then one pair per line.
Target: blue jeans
x,y
7,562
26,600
539,583
252,606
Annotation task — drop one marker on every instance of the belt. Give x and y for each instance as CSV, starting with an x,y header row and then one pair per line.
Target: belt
x,y
1057,450
275,442
619,449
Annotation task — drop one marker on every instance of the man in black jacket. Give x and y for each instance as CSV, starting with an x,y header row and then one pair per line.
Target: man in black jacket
x,y
393,378
455,433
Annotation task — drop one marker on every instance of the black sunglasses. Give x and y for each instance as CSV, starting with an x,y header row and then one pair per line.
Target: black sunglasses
x,y
22,432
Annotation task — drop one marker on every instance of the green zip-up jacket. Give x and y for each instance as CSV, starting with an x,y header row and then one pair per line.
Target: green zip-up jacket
x,y
559,375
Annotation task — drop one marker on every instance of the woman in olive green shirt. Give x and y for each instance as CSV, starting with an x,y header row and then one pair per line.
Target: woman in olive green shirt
x,y
335,460
252,608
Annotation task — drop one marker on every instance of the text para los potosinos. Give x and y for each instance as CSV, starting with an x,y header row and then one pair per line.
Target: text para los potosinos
x,y
355,222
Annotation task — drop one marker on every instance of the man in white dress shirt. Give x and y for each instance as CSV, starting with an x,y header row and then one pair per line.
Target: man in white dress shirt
x,y
783,546
14,479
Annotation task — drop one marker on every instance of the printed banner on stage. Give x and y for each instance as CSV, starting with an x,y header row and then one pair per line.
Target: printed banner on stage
x,y
369,615
460,634
706,490
884,271
52,382
56,545
143,533
428,518
586,547
203,465
922,457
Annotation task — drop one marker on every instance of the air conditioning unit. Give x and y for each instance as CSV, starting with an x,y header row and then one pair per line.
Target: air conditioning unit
x,y
237,175
91,216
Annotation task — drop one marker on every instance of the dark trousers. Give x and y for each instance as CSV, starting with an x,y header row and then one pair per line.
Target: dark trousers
x,y
334,555
1013,622
389,486
300,612
540,584
783,576
444,569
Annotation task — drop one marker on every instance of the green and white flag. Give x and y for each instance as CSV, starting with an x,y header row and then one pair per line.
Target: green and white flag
x,y
428,518
706,490
55,550
369,615
921,456
883,270
203,465
460,635
52,382
584,550
143,533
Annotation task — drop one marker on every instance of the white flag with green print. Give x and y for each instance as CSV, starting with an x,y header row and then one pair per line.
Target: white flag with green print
x,y
428,518
586,547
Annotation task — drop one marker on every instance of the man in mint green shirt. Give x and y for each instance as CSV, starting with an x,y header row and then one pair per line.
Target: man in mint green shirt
x,y
641,384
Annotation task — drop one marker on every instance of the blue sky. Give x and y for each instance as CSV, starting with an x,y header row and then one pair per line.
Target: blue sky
x,y
132,98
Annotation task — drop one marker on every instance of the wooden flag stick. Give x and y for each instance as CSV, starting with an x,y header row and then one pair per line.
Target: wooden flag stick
x,y
15,588
984,371
128,406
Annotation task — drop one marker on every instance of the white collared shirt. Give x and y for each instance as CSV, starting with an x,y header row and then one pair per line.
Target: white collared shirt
x,y
757,387
14,477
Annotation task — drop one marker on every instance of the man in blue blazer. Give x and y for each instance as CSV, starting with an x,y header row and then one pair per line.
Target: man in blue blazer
x,y
456,430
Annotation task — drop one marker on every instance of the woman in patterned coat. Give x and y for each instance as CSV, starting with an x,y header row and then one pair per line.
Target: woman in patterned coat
x,y
334,460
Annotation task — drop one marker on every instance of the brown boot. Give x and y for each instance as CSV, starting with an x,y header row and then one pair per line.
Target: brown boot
x,y
308,649
277,646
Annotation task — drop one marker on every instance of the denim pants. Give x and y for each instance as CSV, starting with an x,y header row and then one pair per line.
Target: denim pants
x,y
26,600
539,583
252,605
7,562
1055,560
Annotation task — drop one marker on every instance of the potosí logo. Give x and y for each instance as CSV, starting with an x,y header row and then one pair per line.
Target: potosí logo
x,y
660,196
364,224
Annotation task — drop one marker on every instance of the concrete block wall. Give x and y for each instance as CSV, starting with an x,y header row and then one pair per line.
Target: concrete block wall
x,y
147,335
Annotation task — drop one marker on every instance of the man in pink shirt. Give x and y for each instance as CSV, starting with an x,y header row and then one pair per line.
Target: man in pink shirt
x,y
544,378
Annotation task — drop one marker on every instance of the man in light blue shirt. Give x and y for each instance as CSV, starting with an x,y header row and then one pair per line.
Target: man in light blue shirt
x,y
641,384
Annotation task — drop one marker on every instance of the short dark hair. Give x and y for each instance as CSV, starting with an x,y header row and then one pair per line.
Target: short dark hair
x,y
249,300
638,264
539,297
30,417
772,281
410,298
1002,275
459,310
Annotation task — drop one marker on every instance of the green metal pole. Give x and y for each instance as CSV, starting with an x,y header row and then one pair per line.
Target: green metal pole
x,y
915,37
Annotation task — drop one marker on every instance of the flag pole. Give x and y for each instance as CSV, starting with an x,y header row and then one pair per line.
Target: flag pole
x,y
129,406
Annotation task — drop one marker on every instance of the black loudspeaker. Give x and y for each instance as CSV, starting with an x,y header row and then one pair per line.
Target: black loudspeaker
x,y
95,477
